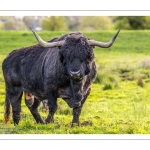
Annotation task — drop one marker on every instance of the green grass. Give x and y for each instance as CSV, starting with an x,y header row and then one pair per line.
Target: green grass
x,y
119,102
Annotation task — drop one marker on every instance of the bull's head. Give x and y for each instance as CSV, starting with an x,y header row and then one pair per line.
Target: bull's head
x,y
76,52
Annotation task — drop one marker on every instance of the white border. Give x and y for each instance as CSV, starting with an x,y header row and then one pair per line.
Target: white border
x,y
75,141
74,5
75,13
75,137
81,8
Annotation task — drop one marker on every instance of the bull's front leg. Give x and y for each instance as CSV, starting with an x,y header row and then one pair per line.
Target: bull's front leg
x,y
77,93
77,110
76,115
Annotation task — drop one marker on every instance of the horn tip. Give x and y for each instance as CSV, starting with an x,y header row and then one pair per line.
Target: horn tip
x,y
116,34
118,31
32,29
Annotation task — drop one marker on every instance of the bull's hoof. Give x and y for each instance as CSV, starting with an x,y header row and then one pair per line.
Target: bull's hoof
x,y
74,124
42,122
49,121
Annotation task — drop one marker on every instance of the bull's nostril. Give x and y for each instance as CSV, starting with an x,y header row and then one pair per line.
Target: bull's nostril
x,y
75,73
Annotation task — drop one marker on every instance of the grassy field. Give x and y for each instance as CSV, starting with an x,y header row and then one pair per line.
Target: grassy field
x,y
119,102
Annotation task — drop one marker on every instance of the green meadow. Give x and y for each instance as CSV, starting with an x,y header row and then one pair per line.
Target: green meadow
x,y
119,102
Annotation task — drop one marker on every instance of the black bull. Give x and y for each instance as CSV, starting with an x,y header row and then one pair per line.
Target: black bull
x,y
61,68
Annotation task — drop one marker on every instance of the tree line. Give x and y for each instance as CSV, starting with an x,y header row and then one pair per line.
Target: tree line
x,y
74,23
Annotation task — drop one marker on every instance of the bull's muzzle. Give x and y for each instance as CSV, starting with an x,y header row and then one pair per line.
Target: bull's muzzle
x,y
75,75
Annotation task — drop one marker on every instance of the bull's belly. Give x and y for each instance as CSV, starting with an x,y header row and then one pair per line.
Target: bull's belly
x,y
37,94
64,93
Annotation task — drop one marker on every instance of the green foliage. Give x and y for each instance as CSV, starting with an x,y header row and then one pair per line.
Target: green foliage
x,y
122,108
27,20
1,25
92,23
73,22
54,23
10,25
13,24
132,22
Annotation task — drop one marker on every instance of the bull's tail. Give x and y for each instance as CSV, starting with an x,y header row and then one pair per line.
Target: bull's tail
x,y
7,111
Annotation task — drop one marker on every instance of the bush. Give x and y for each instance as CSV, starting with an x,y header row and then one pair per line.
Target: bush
x,y
54,23
92,23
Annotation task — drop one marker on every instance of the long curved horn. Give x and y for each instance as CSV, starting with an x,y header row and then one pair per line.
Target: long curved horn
x,y
46,44
104,45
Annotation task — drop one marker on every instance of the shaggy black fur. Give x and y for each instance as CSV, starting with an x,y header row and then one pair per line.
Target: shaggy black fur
x,y
44,72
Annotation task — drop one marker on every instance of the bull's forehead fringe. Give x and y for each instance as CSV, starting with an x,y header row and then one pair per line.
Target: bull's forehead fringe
x,y
75,35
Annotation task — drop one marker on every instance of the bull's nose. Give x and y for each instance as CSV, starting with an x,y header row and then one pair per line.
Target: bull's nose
x,y
75,73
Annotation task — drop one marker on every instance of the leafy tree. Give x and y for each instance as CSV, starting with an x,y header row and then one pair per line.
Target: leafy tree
x,y
3,20
10,25
54,23
132,22
32,21
21,25
28,20
1,26
14,24
90,23
73,22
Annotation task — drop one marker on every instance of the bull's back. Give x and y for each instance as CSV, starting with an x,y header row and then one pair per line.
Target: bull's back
x,y
20,63
28,67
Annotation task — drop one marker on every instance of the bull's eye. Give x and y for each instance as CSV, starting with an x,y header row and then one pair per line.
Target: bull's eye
x,y
87,70
61,58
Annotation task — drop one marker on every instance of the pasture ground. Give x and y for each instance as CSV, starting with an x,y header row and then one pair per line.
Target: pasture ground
x,y
119,102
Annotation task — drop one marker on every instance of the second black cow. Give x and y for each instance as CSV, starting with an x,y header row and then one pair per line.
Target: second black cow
x,y
61,68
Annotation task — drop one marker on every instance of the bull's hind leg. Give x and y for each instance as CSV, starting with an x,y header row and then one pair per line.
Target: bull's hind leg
x,y
33,105
14,95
